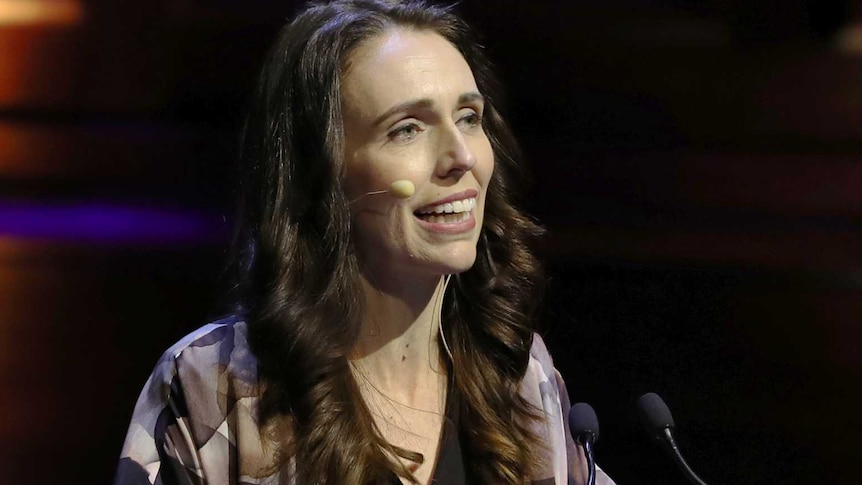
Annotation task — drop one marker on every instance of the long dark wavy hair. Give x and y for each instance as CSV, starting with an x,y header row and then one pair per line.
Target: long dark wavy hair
x,y
300,279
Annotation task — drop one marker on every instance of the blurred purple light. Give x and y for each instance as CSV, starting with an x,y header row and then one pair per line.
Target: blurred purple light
x,y
107,223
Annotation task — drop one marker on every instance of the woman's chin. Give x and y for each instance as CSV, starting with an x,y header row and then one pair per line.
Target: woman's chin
x,y
420,260
455,262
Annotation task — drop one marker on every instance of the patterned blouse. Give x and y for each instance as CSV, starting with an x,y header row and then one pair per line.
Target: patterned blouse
x,y
194,420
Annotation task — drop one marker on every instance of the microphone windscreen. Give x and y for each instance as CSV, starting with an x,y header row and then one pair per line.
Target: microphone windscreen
x,y
654,413
402,189
583,420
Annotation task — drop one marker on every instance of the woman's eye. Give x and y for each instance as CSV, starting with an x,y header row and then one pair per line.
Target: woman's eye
x,y
404,132
471,119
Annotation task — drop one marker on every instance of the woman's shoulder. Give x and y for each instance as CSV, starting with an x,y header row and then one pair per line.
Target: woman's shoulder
x,y
540,358
215,356
217,340
198,403
542,383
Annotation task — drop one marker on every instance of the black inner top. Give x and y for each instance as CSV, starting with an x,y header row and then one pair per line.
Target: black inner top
x,y
449,469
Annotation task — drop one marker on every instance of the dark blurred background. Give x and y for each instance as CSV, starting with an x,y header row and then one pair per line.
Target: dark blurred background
x,y
697,165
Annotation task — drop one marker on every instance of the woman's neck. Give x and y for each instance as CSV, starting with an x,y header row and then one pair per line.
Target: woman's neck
x,y
397,351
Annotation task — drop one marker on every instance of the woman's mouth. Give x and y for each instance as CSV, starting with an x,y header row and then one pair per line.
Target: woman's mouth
x,y
449,212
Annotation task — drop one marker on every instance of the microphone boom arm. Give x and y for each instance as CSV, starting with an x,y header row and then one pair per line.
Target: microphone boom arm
x,y
591,460
677,457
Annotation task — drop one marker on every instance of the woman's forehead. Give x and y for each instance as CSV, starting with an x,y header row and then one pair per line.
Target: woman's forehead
x,y
401,65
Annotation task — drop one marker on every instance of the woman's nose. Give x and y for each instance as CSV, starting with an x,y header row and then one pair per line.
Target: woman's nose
x,y
455,156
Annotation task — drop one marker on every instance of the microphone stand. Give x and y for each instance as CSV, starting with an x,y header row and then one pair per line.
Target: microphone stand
x,y
677,457
584,428
587,443
658,422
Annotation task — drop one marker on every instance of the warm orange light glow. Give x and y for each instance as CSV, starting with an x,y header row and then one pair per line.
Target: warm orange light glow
x,y
39,52
40,12
849,39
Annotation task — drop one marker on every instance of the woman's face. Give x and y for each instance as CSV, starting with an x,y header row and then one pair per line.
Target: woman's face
x,y
412,111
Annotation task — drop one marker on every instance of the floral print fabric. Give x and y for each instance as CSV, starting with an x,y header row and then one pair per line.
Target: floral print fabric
x,y
194,422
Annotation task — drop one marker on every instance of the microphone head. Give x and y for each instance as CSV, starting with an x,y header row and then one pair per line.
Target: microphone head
x,y
583,421
402,189
654,413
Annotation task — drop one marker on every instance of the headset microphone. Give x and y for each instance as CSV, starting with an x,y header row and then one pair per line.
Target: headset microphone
x,y
400,189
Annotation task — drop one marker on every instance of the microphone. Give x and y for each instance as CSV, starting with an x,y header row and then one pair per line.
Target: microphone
x,y
658,422
584,426
400,189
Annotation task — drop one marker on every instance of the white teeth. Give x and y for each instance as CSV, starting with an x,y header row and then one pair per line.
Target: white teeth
x,y
458,206
447,218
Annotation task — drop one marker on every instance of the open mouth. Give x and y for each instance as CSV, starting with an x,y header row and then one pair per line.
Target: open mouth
x,y
448,213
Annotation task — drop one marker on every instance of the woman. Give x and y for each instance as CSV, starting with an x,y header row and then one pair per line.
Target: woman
x,y
355,359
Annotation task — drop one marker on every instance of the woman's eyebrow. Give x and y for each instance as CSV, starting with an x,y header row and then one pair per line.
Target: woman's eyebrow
x,y
425,104
471,97
413,104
